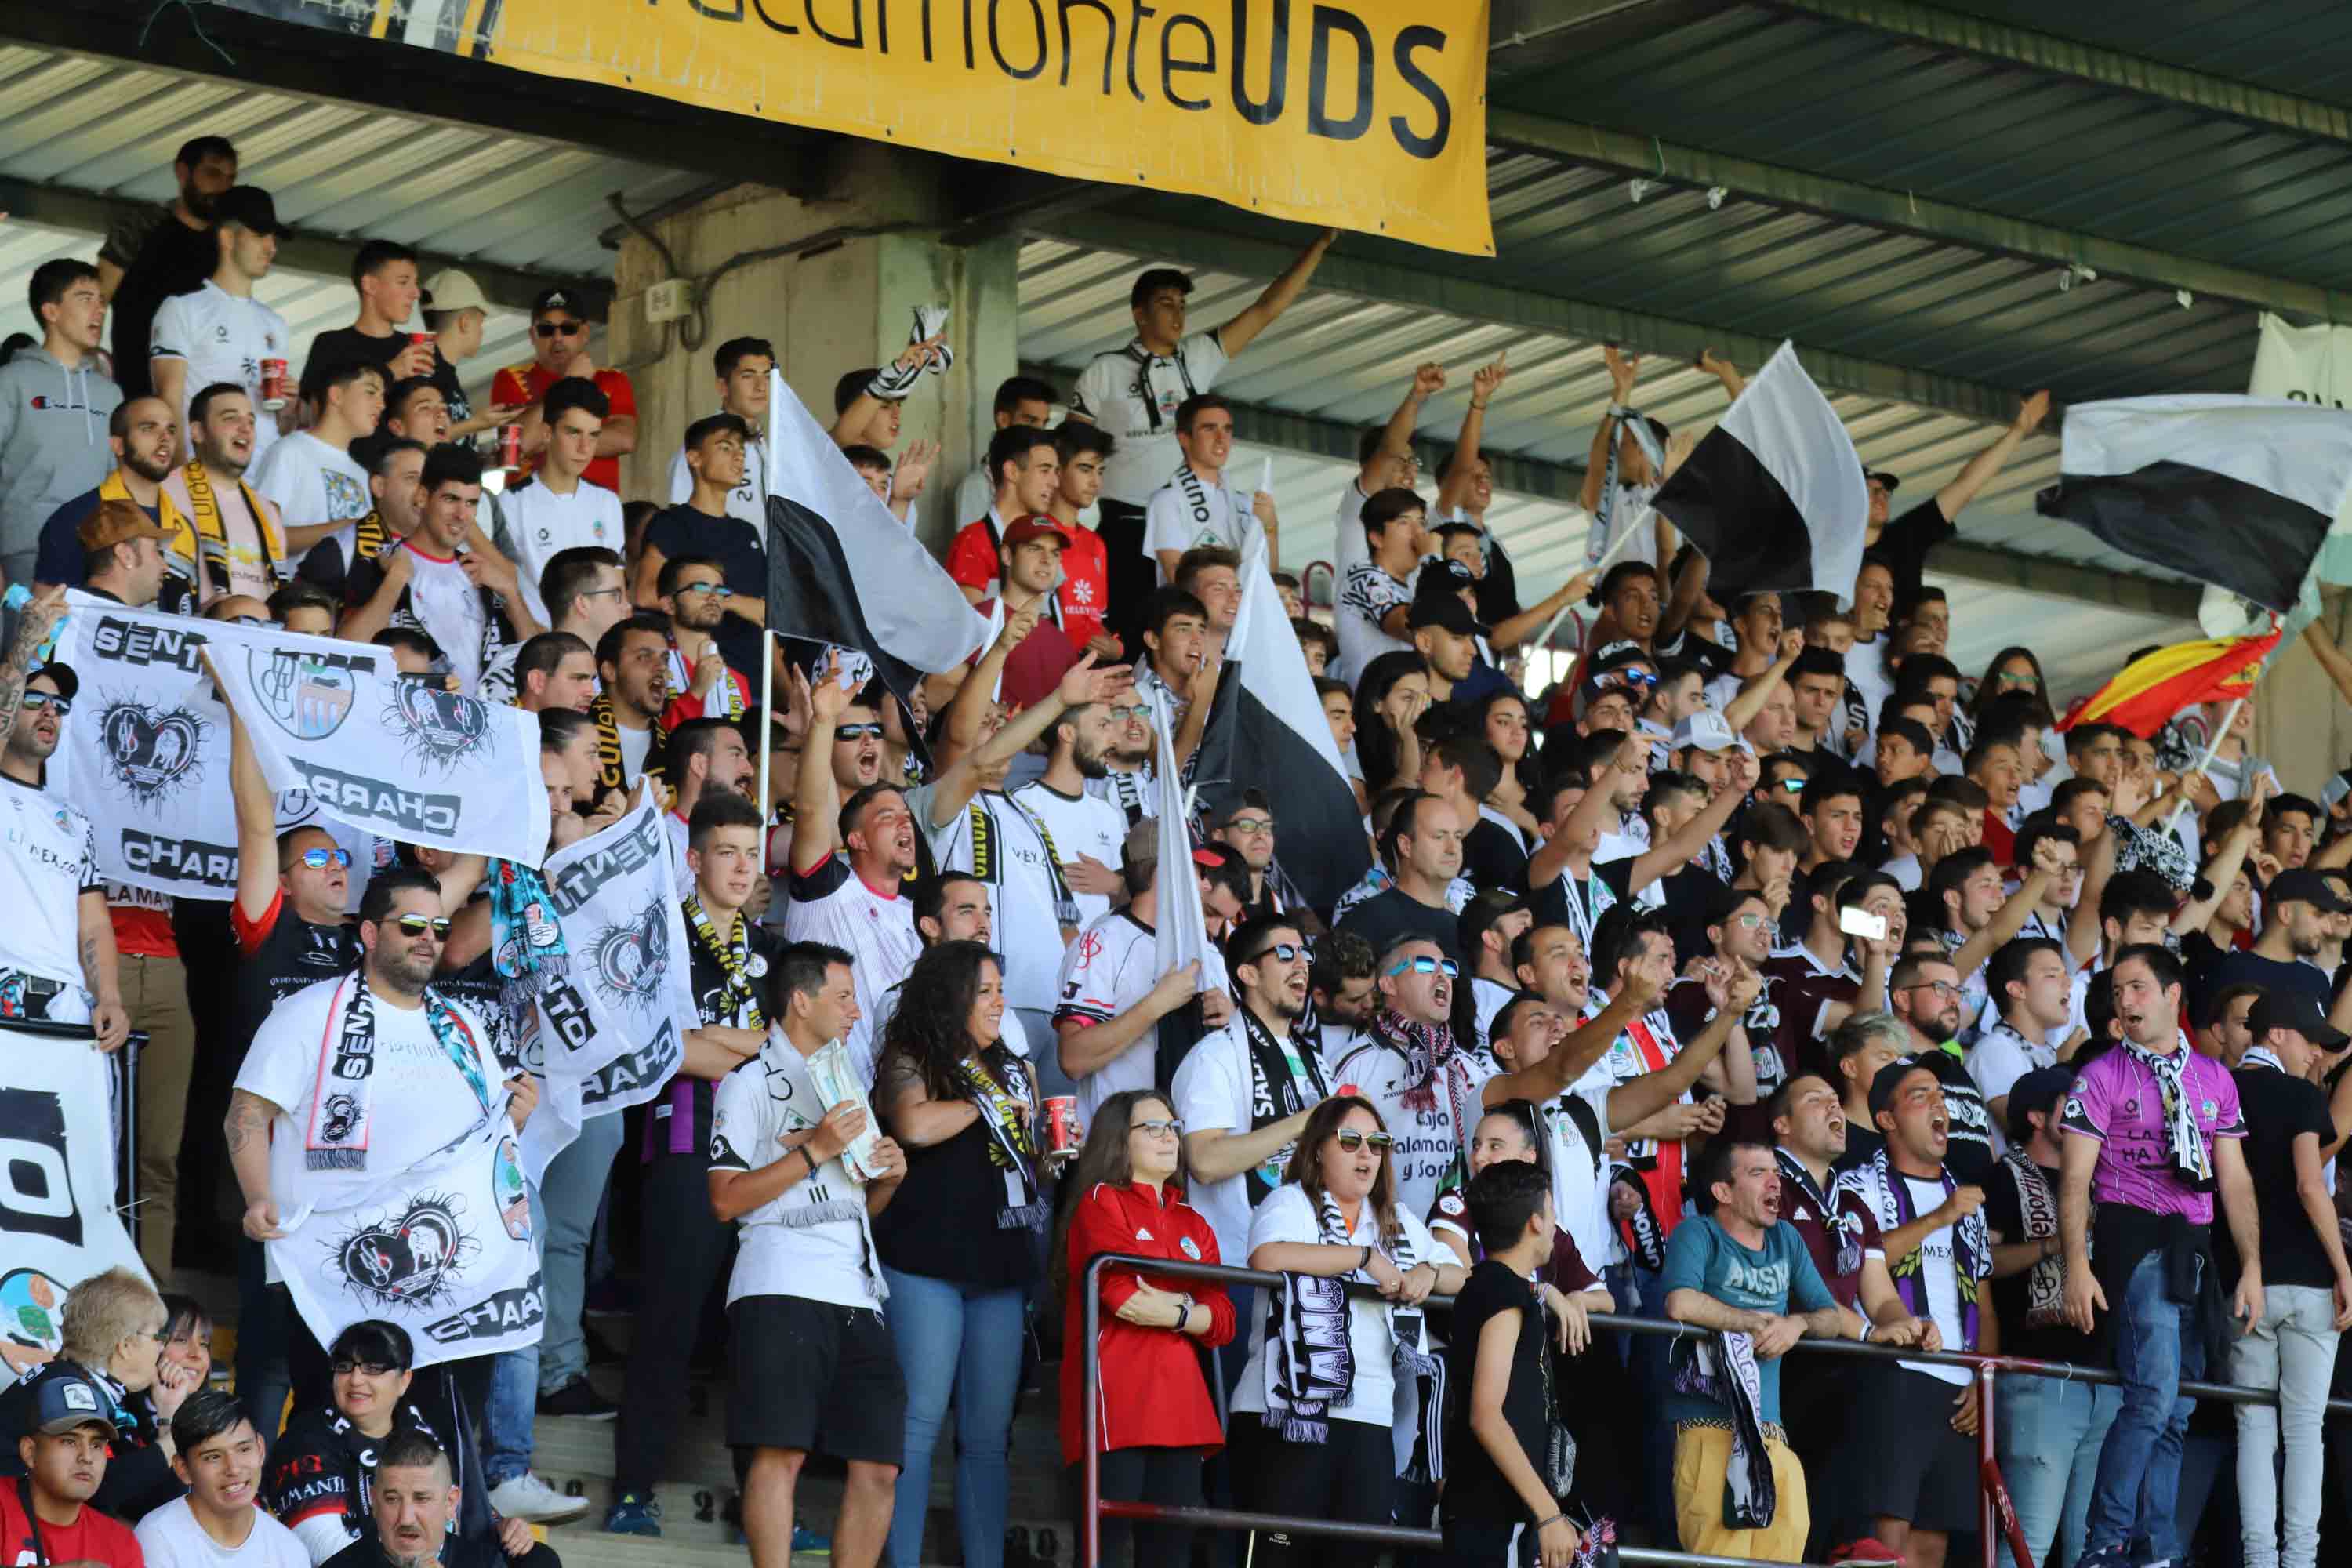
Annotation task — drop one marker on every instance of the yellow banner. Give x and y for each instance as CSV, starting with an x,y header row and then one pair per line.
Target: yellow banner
x,y
1365,114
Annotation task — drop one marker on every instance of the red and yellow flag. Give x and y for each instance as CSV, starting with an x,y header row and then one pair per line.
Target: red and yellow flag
x,y
2146,693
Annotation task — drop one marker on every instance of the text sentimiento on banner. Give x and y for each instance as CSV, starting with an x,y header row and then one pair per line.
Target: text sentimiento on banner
x,y
1366,114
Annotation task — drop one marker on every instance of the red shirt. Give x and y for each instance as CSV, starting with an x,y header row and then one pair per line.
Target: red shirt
x,y
1152,1392
143,922
1999,838
1084,597
94,1537
1037,665
529,383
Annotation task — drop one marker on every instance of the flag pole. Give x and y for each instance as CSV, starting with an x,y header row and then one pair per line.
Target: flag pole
x,y
768,721
1543,639
2212,748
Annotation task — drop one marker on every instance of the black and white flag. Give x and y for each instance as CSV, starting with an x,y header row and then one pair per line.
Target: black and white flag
x,y
1774,496
2240,492
1267,732
843,570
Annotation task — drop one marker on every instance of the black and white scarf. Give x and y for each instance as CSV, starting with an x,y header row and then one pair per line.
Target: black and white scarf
x,y
2192,1162
987,858
1310,1361
742,1009
1722,1367
1603,532
2037,1206
1145,362
1007,1110
1432,1062
1277,1093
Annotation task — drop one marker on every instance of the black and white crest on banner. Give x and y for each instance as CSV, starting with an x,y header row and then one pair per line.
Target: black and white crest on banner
x,y
631,957
150,753
411,1258
440,727
307,695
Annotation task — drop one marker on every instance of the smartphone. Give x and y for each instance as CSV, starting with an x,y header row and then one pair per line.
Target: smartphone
x,y
1863,923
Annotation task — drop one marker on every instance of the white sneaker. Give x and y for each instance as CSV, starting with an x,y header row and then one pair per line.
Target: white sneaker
x,y
525,1497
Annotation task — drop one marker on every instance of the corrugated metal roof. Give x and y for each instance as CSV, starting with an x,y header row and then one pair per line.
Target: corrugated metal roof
x,y
1856,103
109,129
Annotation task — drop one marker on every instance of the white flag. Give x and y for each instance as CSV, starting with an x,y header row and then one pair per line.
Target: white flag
x,y
57,1224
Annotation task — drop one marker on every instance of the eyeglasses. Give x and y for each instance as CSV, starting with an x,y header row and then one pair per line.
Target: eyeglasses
x,y
344,1366
1352,1140
319,859
37,700
1157,1128
1445,966
1940,987
856,732
1136,712
1748,921
1284,953
560,329
601,592
1252,825
715,590
417,925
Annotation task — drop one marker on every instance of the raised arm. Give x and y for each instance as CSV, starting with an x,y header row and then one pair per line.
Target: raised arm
x,y
2008,919
1396,438
1242,330
1454,482
2332,659
816,797
1584,1045
1691,840
1593,811
1962,487
1637,1099
2218,873
1508,635
1622,368
1742,711
257,819
1082,684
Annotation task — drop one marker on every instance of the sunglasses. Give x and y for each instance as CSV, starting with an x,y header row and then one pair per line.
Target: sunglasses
x,y
2029,681
560,329
1284,953
715,590
319,859
1352,1140
857,731
1158,1128
1616,679
37,700
345,1367
1445,966
417,925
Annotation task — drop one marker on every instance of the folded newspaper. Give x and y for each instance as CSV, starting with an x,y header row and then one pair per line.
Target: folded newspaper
x,y
834,1073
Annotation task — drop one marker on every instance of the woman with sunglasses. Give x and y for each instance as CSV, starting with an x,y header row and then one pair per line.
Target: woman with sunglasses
x,y
1330,1399
962,1240
1154,1421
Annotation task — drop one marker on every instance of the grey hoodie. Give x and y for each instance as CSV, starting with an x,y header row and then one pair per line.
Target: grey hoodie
x,y
53,443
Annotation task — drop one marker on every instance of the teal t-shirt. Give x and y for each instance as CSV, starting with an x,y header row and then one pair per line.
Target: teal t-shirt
x,y
1701,1258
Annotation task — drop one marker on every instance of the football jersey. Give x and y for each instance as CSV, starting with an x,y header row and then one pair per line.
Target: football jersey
x,y
1112,966
810,1240
52,860
223,337
1188,512
539,523
1133,393
994,839
833,904
313,482
1086,824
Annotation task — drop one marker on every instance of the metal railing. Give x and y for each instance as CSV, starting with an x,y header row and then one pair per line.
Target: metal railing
x,y
1997,1520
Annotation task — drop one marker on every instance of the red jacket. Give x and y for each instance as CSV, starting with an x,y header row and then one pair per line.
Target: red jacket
x,y
1152,1392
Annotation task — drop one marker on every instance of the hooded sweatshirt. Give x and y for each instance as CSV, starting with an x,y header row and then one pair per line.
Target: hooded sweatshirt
x,y
53,443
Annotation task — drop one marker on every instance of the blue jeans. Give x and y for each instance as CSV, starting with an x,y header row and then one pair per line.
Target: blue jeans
x,y
965,1340
1642,1293
2050,1435
2157,1343
563,1210
513,1404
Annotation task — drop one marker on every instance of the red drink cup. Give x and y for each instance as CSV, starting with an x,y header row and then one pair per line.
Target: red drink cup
x,y
273,385
1061,1125
509,446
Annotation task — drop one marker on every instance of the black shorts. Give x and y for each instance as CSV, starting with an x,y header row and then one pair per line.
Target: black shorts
x,y
815,1377
1902,1459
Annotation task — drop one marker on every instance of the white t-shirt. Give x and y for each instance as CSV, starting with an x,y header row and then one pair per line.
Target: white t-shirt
x,y
313,482
51,860
812,1239
1188,511
172,1538
1366,593
1028,931
1865,670
223,337
1999,1058
1112,966
636,745
1288,1215
1426,1140
1089,825
1938,1271
539,523
876,926
747,501
444,603
1579,1172
1134,394
1213,1093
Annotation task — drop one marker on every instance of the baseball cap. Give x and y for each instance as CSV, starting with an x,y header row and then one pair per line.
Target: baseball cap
x,y
1443,611
2040,1089
1890,1076
556,298
1888,482
451,290
63,1400
111,525
249,207
1155,278
2307,886
68,683
1035,525
1707,729
2280,1008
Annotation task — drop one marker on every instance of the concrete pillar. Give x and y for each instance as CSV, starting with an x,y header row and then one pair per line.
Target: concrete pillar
x,y
2301,723
831,279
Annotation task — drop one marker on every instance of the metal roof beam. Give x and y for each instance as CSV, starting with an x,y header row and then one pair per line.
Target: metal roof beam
x,y
1943,29
1432,283
1528,34
1899,211
325,256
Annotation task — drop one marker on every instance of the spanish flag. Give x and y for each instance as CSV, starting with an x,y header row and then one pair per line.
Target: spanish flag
x,y
2147,692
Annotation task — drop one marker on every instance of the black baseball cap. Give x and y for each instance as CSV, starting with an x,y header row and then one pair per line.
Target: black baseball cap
x,y
557,298
1153,279
249,207
62,1400
2302,885
2042,1089
2281,1008
1888,482
1444,611
68,683
1890,1077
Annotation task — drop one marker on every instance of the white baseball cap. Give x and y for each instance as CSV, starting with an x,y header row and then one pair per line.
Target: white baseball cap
x,y
451,290
1706,729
